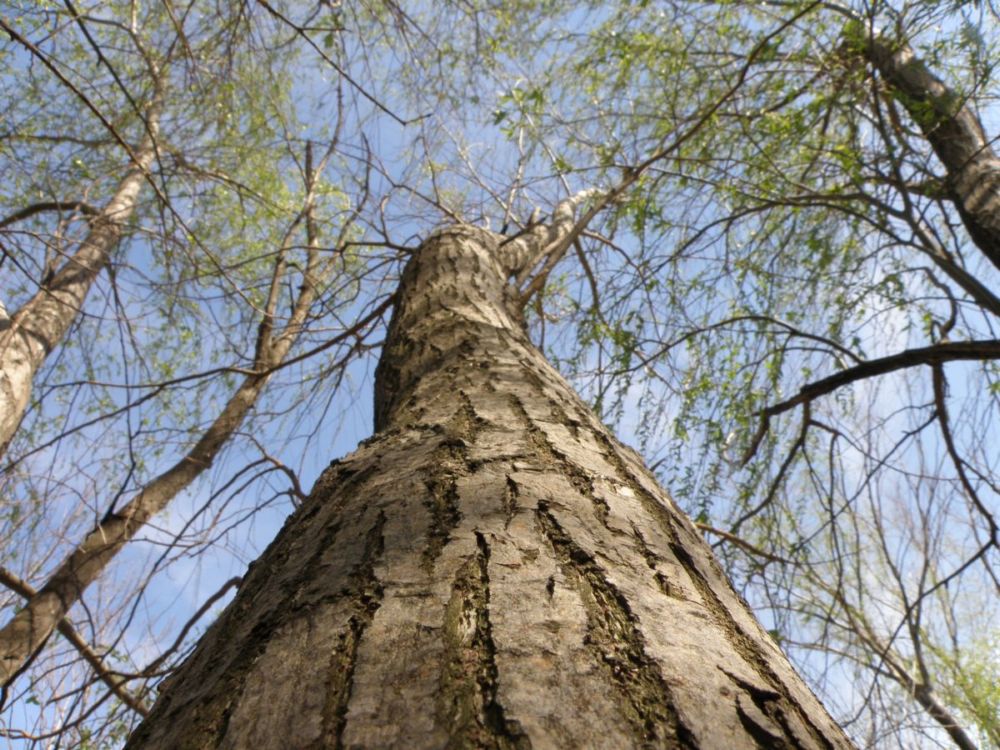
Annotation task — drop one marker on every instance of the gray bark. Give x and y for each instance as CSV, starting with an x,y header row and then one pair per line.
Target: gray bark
x,y
955,133
492,569
36,329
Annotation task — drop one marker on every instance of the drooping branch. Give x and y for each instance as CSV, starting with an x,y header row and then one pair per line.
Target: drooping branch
x,y
898,670
941,405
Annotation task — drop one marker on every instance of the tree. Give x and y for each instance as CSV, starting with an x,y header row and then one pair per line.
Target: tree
x,y
785,302
491,569
40,324
144,264
32,626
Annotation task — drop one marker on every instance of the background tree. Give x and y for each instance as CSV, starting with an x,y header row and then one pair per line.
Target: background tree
x,y
213,282
792,217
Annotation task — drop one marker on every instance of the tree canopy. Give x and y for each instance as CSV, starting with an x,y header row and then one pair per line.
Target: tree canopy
x,y
783,294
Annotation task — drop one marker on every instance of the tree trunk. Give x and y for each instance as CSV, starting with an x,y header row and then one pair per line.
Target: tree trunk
x,y
35,330
491,569
953,129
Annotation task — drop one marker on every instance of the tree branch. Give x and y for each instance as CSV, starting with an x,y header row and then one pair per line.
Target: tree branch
x,y
36,208
113,681
927,355
953,131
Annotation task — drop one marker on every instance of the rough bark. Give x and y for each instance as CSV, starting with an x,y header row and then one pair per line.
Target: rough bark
x,y
41,323
491,570
955,133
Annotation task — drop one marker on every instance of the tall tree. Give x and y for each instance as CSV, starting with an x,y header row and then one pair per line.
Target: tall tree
x,y
491,569
787,304
226,239
38,326
31,627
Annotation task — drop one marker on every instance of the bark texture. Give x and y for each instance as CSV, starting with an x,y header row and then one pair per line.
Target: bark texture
x,y
491,570
955,133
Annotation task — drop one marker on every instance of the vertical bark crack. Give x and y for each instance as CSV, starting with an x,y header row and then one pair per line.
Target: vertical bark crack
x,y
449,462
580,479
750,650
442,500
510,501
469,683
652,560
611,455
761,714
615,638
762,732
367,595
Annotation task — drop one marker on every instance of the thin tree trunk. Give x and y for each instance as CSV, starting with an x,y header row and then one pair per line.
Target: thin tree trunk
x,y
25,634
491,569
955,133
41,323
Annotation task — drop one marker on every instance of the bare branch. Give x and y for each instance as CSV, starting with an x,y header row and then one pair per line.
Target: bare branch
x,y
927,355
36,208
65,627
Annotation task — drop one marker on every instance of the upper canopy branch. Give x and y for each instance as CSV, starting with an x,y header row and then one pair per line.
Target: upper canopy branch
x,y
521,253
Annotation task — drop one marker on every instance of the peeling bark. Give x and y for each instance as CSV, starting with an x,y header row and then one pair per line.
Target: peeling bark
x,y
491,570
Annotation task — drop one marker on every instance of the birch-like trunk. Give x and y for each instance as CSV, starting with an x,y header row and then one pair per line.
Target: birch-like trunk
x,y
954,131
27,632
492,570
43,321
